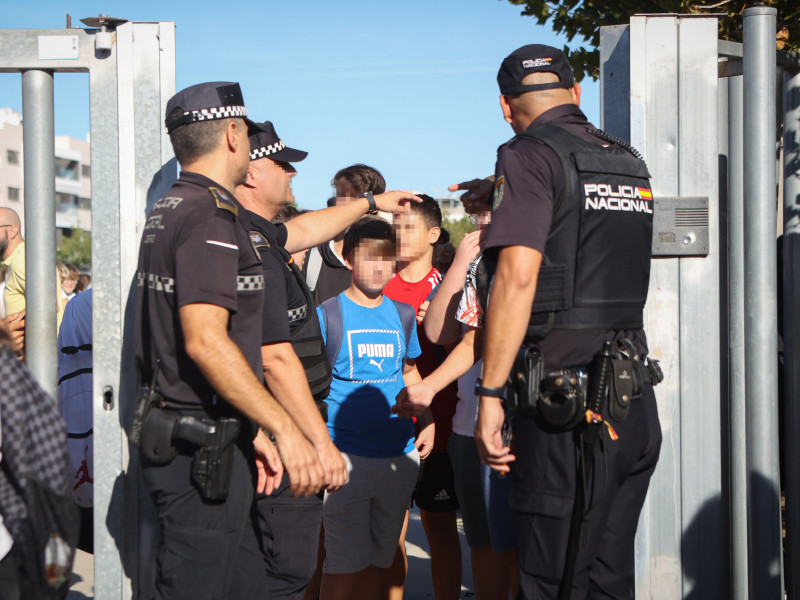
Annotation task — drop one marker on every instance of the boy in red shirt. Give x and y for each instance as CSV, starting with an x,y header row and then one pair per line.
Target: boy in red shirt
x,y
417,232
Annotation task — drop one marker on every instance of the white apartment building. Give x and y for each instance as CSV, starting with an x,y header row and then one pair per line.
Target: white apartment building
x,y
452,209
73,175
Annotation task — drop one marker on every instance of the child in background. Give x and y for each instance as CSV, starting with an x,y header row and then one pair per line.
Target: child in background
x,y
418,232
372,360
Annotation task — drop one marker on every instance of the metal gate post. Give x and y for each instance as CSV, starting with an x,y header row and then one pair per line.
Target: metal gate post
x,y
736,342
132,164
761,377
668,99
41,289
791,320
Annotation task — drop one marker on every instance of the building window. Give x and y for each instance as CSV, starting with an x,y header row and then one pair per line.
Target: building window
x,y
84,203
67,169
13,194
86,171
12,157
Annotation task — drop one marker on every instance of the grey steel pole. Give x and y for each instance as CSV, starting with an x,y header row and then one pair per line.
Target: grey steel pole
x,y
40,221
791,323
760,277
737,341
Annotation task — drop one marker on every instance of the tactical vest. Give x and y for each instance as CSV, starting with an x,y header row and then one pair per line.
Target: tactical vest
x,y
306,334
596,265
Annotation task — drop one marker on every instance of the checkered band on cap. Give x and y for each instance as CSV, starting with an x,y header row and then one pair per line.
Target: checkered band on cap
x,y
267,150
217,112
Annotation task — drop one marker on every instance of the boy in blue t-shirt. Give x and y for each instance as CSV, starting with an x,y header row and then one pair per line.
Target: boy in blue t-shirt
x,y
363,520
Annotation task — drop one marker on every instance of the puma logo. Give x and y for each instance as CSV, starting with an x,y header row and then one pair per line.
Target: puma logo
x,y
372,361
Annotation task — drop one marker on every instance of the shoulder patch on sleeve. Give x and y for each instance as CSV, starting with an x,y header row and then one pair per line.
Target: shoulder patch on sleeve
x,y
223,201
499,189
259,241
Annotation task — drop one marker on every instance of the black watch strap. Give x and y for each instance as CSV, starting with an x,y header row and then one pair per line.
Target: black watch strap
x,y
373,206
492,392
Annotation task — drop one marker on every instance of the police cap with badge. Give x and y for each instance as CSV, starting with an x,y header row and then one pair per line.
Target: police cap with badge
x,y
534,58
206,102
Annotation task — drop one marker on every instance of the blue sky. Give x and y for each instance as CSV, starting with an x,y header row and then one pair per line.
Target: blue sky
x,y
406,86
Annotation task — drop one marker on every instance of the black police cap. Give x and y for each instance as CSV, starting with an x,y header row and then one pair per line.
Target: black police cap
x,y
534,58
205,102
265,143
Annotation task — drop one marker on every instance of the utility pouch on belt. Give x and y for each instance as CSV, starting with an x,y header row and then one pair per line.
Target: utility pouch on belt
x,y
629,373
523,382
156,437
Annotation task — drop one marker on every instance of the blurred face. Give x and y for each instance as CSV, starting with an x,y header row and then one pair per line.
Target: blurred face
x,y
345,193
68,284
272,180
371,270
414,239
481,220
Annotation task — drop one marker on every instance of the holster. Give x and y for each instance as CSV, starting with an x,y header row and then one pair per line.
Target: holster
x,y
522,391
165,433
213,462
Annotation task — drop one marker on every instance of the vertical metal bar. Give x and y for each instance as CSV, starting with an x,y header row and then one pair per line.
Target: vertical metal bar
x,y
654,118
702,318
761,383
736,341
109,506
40,227
791,322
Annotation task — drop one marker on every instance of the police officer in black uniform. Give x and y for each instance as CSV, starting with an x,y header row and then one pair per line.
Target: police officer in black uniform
x,y
199,298
572,229
292,349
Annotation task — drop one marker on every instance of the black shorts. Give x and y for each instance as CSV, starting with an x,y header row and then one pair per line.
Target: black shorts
x,y
436,489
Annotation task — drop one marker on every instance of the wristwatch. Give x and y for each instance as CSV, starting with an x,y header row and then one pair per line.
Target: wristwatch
x,y
373,207
492,392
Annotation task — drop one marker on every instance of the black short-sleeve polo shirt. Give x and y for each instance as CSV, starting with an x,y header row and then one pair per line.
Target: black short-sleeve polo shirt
x,y
194,249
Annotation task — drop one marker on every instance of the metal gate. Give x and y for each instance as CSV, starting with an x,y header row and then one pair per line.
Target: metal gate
x,y
131,70
703,112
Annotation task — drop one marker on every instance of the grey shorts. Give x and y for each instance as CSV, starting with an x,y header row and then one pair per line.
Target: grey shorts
x,y
363,520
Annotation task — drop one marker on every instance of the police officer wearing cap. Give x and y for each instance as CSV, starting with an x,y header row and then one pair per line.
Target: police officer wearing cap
x,y
199,299
571,234
294,359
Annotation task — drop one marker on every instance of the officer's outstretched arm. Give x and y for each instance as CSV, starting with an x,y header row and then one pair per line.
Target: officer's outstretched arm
x,y
226,369
506,322
318,226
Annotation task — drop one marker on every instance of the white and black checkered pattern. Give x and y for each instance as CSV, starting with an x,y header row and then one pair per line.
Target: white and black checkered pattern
x,y
34,440
249,283
297,314
267,150
217,112
156,282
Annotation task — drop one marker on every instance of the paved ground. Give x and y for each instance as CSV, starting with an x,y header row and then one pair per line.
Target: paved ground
x,y
418,585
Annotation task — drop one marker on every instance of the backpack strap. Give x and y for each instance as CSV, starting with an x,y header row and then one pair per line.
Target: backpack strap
x,y
408,317
312,267
334,328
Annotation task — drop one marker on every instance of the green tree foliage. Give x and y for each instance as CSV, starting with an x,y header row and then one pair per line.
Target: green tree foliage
x,y
76,248
582,19
458,229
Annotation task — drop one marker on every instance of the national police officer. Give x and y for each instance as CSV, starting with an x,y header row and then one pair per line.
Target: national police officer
x,y
199,298
571,229
292,349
